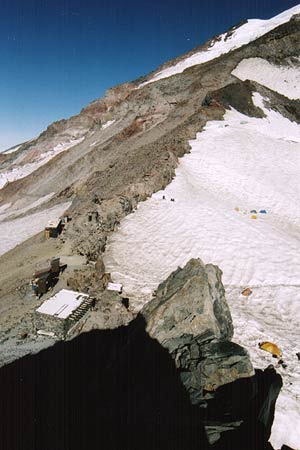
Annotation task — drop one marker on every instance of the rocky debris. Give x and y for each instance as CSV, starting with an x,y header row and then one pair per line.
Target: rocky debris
x,y
89,280
92,245
113,97
237,95
89,236
190,317
100,267
110,312
97,112
65,128
23,335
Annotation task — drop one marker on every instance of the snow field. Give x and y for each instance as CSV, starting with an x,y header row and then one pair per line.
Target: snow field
x,y
284,80
239,162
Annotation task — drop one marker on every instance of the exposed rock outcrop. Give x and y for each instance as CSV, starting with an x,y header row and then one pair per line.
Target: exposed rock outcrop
x,y
242,413
190,317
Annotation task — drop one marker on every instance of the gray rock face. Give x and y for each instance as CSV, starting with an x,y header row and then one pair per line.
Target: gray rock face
x,y
191,301
190,317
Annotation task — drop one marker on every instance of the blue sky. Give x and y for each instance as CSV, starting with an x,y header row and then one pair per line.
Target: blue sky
x,y
58,55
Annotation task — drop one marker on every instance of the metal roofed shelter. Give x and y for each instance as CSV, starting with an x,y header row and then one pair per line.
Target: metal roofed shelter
x,y
62,304
60,312
115,287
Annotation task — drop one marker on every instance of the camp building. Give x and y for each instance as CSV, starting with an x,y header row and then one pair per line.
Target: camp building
x,y
53,228
59,313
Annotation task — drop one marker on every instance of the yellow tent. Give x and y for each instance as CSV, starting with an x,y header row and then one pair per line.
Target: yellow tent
x,y
254,216
271,348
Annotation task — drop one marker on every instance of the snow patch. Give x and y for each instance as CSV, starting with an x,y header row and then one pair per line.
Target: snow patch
x,y
243,162
283,79
13,232
21,171
10,211
108,124
248,32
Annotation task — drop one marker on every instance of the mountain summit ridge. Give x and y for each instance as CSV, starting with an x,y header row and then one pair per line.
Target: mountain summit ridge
x,y
236,37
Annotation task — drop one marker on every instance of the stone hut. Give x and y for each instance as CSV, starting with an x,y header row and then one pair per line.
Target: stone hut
x,y
59,313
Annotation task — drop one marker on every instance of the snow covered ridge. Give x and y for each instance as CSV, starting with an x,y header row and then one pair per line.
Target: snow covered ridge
x,y
283,79
21,171
11,150
240,163
250,31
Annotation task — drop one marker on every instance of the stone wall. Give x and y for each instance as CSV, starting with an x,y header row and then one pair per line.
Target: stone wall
x,y
51,324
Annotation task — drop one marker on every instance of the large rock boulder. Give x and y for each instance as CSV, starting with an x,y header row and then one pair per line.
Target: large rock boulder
x,y
191,301
190,317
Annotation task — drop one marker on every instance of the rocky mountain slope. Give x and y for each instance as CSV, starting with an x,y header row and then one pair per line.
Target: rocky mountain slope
x,y
232,108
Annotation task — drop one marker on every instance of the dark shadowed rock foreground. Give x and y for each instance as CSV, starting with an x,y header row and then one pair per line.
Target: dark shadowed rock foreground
x,y
120,389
